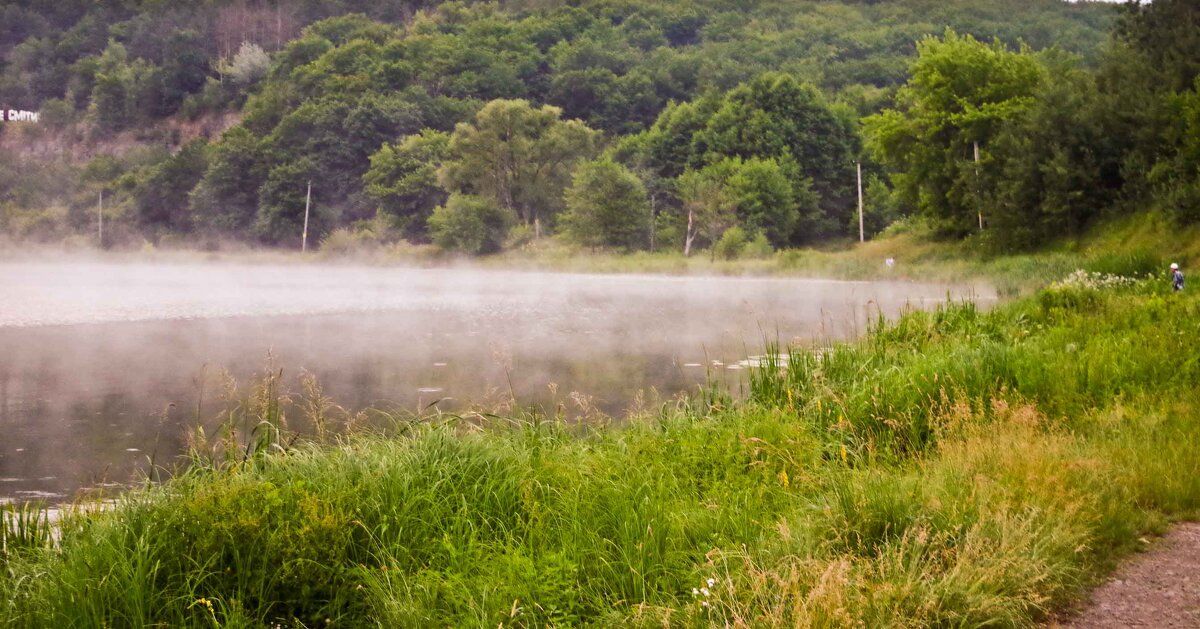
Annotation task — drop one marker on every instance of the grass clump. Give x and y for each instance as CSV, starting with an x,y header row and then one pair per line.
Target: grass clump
x,y
954,467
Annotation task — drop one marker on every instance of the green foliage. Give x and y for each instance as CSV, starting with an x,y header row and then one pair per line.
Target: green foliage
x,y
607,206
765,199
470,224
226,198
114,95
334,81
710,208
1165,34
403,180
777,117
758,247
1177,176
1141,263
961,93
162,190
518,156
752,193
667,147
731,244
880,207
955,466
283,199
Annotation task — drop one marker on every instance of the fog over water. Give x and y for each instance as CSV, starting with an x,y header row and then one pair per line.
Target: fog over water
x,y
101,364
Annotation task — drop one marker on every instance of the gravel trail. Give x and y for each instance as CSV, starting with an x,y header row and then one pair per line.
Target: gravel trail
x,y
1159,588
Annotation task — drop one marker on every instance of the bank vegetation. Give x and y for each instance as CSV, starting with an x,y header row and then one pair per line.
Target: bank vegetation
x,y
952,467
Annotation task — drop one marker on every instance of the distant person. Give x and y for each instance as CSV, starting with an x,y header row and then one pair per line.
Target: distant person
x,y
1176,277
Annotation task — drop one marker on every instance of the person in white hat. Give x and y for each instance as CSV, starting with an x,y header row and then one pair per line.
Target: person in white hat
x,y
1176,277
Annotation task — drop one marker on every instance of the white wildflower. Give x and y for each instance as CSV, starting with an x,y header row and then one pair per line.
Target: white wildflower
x,y
1096,281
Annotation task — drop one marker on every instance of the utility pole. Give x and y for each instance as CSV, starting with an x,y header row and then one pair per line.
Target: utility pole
x,y
307,203
653,215
862,235
978,208
100,219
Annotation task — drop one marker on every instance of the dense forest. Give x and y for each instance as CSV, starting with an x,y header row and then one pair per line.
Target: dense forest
x,y
721,124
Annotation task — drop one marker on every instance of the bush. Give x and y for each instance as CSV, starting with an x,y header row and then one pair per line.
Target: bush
x,y
519,236
731,244
470,224
345,241
607,206
758,248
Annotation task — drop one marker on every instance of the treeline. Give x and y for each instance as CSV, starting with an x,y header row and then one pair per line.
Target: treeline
x,y
478,126
1025,147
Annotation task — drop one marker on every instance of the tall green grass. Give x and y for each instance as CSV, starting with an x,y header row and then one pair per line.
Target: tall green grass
x,y
954,467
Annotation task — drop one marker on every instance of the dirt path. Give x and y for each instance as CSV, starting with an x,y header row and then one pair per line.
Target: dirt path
x,y
1159,588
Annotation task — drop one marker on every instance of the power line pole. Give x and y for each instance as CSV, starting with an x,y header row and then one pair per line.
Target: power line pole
x,y
862,235
307,203
978,207
100,219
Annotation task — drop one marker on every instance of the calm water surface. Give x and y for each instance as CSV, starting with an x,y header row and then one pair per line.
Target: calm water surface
x,y
102,365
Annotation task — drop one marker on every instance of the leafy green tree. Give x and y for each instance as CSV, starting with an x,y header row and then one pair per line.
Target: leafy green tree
x,y
1042,178
775,116
282,200
731,244
162,192
607,206
403,182
518,156
754,194
114,91
471,224
961,93
765,199
880,207
226,198
1167,32
708,206
338,136
668,147
1177,175
1145,86
184,70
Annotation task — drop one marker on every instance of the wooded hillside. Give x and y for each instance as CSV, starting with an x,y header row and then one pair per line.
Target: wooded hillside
x,y
477,125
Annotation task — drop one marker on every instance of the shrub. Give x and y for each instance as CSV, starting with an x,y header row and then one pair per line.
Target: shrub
x,y
731,244
470,224
758,247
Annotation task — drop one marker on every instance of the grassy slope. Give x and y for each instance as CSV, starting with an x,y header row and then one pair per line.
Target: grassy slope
x,y
952,468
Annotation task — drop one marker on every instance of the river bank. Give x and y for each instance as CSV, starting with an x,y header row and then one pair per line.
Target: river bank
x,y
957,466
1142,243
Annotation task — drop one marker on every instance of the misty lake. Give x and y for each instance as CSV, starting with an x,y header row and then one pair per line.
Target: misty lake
x,y
102,365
